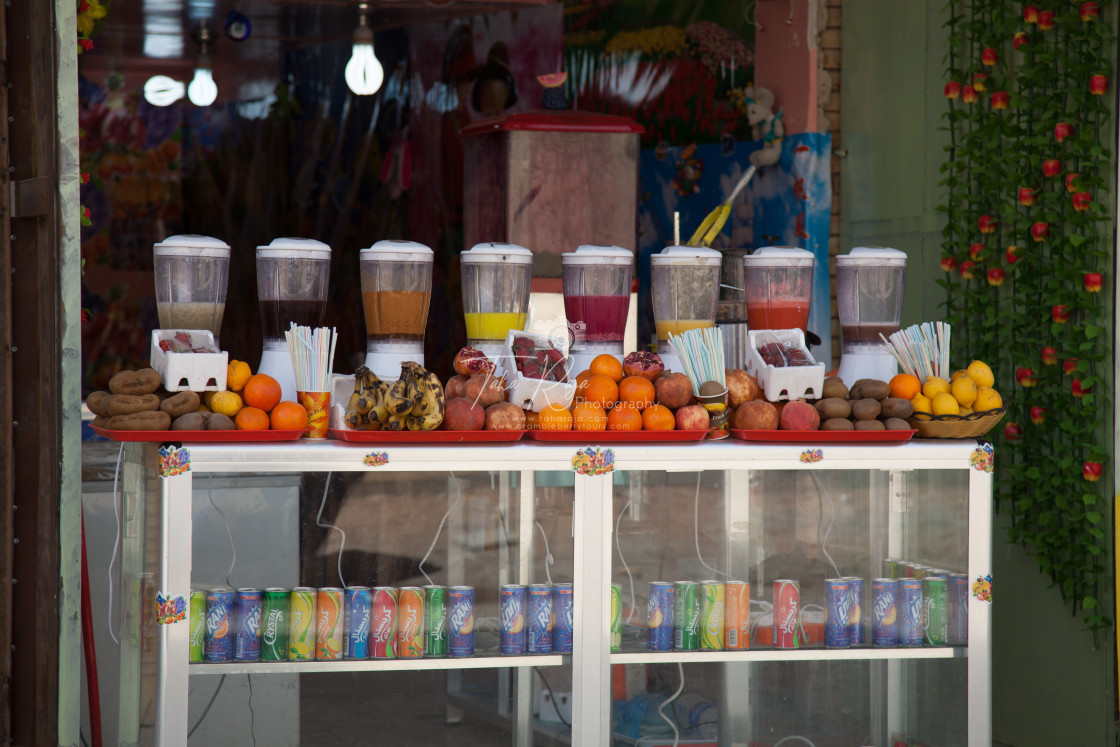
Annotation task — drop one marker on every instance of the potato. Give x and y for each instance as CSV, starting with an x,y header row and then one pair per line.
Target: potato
x,y
149,420
837,424
896,407
126,404
834,407
180,404
866,409
834,386
94,402
191,421
869,425
897,424
220,422
144,381
870,389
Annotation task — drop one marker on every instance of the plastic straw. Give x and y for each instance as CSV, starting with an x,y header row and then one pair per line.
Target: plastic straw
x,y
701,354
312,353
921,350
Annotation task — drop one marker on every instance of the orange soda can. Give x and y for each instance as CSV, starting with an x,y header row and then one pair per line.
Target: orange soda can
x,y
410,628
737,616
328,610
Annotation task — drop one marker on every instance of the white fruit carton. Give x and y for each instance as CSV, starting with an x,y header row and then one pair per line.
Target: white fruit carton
x,y
784,382
189,371
530,393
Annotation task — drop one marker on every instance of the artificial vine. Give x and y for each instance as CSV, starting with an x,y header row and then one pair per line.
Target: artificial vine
x,y
1025,251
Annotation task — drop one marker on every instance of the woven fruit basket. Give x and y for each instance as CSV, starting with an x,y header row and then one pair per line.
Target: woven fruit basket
x,y
958,426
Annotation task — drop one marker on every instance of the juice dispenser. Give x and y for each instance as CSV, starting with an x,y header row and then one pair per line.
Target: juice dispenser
x,y
869,287
191,275
496,280
396,290
293,276
685,294
596,301
779,287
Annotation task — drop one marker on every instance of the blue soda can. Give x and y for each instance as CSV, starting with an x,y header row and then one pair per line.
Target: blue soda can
x,y
247,640
460,623
856,635
910,631
512,604
659,633
884,612
837,604
219,624
563,618
958,608
540,619
356,618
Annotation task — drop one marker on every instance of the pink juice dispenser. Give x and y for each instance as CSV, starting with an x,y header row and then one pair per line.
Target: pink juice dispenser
x,y
869,292
597,283
779,287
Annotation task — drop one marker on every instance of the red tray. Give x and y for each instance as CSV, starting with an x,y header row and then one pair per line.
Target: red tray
x,y
425,437
617,437
200,437
823,437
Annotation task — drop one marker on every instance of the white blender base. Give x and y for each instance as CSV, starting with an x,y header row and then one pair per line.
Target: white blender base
x,y
387,363
670,358
278,364
856,366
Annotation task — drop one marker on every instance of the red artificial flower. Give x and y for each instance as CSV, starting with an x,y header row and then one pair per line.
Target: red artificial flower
x,y
1079,390
1092,282
1090,12
1070,179
1038,415
966,270
1049,356
1026,196
995,277
85,212
1001,100
1069,365
1091,471
948,264
1012,431
1098,84
975,251
1025,377
1012,254
85,177
989,56
1030,14
1082,201
1051,167
968,95
1062,130
1040,231
1059,313
1020,40
952,90
979,81
85,44
987,224
83,6
1046,19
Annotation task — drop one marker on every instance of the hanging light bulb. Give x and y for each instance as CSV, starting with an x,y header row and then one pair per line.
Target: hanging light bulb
x,y
364,73
202,91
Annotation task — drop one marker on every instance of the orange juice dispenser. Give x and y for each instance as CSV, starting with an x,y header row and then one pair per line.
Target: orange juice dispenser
x,y
192,275
496,280
779,287
396,290
596,301
685,294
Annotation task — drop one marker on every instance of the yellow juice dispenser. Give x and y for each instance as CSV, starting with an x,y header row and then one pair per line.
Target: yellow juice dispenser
x,y
495,280
685,294
396,291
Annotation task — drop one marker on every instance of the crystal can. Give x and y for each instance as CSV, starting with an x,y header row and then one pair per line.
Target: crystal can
x,y
837,601
247,640
616,618
512,603
274,625
787,613
303,628
686,616
711,615
659,620
563,618
329,611
460,622
410,622
198,627
856,635
219,625
540,620
935,613
435,621
737,615
884,612
383,623
910,631
958,608
355,628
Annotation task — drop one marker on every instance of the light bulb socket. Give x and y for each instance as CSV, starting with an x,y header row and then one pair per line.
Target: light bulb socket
x,y
363,34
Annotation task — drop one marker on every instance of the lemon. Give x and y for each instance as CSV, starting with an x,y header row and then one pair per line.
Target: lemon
x,y
966,411
237,373
979,372
923,408
987,399
203,408
207,398
957,374
945,404
226,403
964,391
934,386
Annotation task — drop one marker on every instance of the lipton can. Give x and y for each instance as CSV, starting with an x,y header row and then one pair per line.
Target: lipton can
x,y
460,621
711,615
410,622
355,628
787,613
736,615
686,616
539,637
219,625
659,619
247,640
512,638
837,600
910,632
435,622
329,611
303,628
884,612
856,635
563,618
198,627
383,623
274,625
958,609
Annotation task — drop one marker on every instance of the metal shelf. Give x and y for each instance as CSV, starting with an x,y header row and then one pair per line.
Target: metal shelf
x,y
790,654
379,665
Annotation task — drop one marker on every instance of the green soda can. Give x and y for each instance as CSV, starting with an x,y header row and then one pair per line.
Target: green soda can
x,y
616,618
435,622
198,626
935,615
686,616
303,626
274,625
711,616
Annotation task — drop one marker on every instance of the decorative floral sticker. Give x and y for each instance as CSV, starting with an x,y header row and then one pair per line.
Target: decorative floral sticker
x,y
593,461
982,588
811,455
173,460
983,458
170,609
376,459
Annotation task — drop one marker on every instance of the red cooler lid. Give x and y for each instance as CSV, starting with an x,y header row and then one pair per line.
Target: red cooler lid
x,y
543,120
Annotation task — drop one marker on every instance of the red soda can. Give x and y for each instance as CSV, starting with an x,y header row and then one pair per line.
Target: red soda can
x,y
736,615
787,613
410,622
330,613
383,623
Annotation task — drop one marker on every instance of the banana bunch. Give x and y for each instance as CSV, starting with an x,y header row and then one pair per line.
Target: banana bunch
x,y
366,410
415,401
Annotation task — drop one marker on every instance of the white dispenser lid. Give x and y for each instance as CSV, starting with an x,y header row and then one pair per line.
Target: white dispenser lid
x,y
192,245
295,249
492,253
687,255
779,256
873,255
396,250
589,254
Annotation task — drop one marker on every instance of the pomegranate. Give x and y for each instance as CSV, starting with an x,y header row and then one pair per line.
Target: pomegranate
x,y
643,363
485,389
470,361
456,386
741,387
462,414
673,390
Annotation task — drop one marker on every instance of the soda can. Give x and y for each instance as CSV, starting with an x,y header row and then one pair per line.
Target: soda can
x,y
711,615
659,633
686,616
383,623
219,625
460,622
917,570
787,613
958,609
736,615
303,628
512,603
909,603
890,568
274,625
539,635
410,622
855,611
837,603
198,627
247,640
329,610
616,618
884,612
435,621
355,627
563,618
935,597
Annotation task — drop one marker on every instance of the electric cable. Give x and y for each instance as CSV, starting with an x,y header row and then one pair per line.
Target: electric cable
x,y
696,528
458,495
661,708
252,713
618,546
793,736
116,542
229,531
206,710
318,522
555,703
832,507
548,559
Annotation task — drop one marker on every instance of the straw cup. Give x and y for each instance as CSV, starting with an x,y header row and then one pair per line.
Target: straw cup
x,y
718,415
318,406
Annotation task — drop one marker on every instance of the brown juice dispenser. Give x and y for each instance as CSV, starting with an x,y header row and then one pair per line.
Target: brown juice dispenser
x,y
869,292
495,280
685,294
396,290
191,277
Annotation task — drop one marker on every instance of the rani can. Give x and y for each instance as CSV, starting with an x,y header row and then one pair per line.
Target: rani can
x,y
355,626
935,614
659,633
410,622
303,628
884,612
909,603
616,618
435,621
460,622
787,613
736,615
198,627
331,618
383,623
711,616
219,625
274,625
540,619
247,640
563,618
958,609
686,616
512,604
855,611
837,604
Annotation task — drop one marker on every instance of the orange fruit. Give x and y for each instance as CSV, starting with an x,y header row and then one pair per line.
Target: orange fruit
x,y
261,390
658,418
588,416
600,389
905,386
624,417
607,365
555,418
251,419
637,390
237,373
288,416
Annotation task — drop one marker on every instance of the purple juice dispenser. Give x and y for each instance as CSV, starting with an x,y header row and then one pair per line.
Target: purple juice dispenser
x,y
597,281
